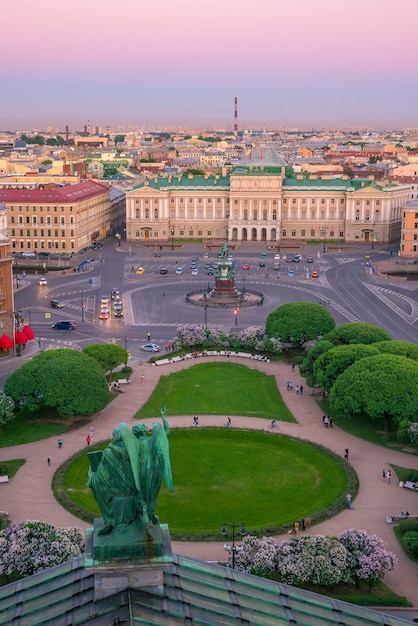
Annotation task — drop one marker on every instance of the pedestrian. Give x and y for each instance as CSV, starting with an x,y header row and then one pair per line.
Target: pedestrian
x,y
297,389
326,421
142,379
148,336
59,443
346,454
323,419
288,385
39,344
295,528
383,474
389,476
293,367
348,498
88,440
49,462
228,422
330,421
168,347
301,389
91,431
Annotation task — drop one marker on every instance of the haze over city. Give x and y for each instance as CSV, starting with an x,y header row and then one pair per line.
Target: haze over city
x,y
304,64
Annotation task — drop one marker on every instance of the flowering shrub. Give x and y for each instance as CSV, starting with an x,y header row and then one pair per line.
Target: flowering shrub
x,y
369,560
413,432
7,406
33,546
252,338
317,560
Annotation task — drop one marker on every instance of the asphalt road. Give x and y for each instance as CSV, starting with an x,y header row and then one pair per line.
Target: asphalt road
x,y
155,303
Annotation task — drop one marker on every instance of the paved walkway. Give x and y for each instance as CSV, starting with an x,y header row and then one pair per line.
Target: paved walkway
x,y
28,495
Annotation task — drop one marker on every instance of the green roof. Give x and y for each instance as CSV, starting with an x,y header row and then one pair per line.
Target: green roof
x,y
194,592
164,183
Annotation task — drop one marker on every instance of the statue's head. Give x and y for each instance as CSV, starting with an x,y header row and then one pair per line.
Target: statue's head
x,y
139,430
116,434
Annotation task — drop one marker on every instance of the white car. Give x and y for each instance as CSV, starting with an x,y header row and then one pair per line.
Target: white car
x,y
43,281
150,347
195,271
179,271
206,255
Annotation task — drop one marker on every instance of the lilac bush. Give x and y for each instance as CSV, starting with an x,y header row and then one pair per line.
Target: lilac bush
x,y
413,432
34,546
189,336
253,338
256,556
7,406
317,560
369,560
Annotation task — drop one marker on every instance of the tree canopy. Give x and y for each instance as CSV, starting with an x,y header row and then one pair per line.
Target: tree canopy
x,y
298,322
357,332
384,387
107,356
401,348
66,380
334,362
307,365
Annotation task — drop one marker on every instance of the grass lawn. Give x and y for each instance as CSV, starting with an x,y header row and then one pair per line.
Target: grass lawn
x,y
10,468
25,429
224,475
218,389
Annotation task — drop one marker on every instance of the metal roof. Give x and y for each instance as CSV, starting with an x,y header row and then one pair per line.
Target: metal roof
x,y
194,592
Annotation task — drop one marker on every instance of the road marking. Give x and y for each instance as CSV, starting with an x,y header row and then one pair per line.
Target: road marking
x,y
384,296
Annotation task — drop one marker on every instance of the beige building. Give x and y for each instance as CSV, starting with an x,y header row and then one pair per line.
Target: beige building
x,y
262,203
60,220
409,235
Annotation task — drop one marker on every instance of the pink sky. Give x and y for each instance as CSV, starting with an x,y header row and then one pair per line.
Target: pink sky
x,y
318,63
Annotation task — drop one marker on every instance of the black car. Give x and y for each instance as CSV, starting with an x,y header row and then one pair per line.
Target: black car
x,y
64,325
163,270
262,264
210,271
56,304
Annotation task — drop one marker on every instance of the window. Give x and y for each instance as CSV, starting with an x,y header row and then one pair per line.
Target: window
x,y
293,214
190,213
200,213
303,214
367,216
171,200
218,200
313,201
200,200
341,234
368,202
377,215
55,219
63,233
312,232
303,200
147,214
190,200
28,233
274,214
155,234
323,201
284,201
264,214
342,201
357,215
12,219
27,219
332,201
255,215
294,201
284,214
156,214
293,233
236,202
322,214
313,214
358,202
200,233
303,232
137,214
41,219
245,214
48,219
283,233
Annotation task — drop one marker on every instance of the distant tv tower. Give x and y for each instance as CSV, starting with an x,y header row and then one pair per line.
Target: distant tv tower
x,y
236,117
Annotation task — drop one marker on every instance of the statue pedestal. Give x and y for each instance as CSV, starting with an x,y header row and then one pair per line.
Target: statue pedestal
x,y
126,559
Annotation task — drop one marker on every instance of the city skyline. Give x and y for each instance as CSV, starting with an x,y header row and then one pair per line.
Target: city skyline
x,y
308,65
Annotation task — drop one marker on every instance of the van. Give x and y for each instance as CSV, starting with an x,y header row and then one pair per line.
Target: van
x,y
29,255
64,325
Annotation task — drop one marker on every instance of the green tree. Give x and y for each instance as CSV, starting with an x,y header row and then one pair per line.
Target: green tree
x,y
357,332
384,387
401,348
308,364
298,322
66,380
107,356
47,162
7,406
119,139
334,362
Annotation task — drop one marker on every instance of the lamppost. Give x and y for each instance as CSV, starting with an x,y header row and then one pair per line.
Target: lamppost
x,y
172,239
236,311
324,231
82,307
373,237
243,288
233,548
206,309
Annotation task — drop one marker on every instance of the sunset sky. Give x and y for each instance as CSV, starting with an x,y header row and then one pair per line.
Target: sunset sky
x,y
304,63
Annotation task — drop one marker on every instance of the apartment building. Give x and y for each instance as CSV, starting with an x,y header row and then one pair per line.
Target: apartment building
x,y
60,220
263,203
409,235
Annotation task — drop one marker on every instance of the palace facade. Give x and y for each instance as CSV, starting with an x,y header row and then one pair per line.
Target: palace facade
x,y
263,203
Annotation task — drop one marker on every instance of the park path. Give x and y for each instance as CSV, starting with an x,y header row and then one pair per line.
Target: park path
x,y
28,495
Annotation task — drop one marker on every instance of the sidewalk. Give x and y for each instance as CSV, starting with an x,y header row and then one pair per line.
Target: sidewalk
x,y
28,495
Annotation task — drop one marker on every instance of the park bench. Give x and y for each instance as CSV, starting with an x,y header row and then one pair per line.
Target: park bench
x,y
4,514
124,381
4,479
398,518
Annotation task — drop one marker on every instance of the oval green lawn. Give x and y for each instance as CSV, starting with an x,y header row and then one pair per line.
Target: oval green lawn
x,y
218,389
264,480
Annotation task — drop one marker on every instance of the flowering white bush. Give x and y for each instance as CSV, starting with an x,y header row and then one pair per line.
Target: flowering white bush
x,y
33,546
7,406
190,335
413,432
252,338
317,560
369,560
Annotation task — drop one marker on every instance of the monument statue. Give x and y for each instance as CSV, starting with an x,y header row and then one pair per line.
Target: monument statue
x,y
126,476
224,250
225,269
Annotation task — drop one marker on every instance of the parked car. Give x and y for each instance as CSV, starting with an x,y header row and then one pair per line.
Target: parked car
x,y
64,325
262,264
297,258
56,304
210,271
43,281
193,265
163,270
29,255
246,266
309,259
195,271
140,271
206,255
179,271
195,258
291,273
315,274
150,347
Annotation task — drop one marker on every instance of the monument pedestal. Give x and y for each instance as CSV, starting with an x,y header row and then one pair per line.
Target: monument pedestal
x,y
126,559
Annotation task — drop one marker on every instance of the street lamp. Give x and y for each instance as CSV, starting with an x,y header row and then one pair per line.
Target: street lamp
x,y
373,237
324,248
236,311
233,549
172,239
206,309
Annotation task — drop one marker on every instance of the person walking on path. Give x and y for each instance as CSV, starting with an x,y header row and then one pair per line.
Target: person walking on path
x,y
91,431
88,440
301,389
297,389
348,498
142,379
383,474
330,421
346,452
389,476
228,422
326,421
49,462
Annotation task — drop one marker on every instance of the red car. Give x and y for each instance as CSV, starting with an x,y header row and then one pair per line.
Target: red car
x,y
246,266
